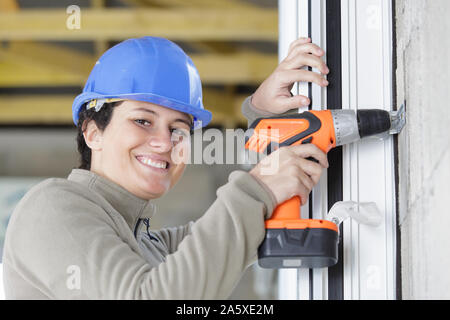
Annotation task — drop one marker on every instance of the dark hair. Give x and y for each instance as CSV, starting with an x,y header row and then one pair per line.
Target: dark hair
x,y
102,119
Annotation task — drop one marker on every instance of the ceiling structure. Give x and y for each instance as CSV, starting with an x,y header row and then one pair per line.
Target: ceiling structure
x,y
44,64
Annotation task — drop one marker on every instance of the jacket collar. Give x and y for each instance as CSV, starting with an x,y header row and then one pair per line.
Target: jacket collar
x,y
127,204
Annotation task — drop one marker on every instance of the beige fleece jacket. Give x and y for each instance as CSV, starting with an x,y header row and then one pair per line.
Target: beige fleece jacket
x,y
84,238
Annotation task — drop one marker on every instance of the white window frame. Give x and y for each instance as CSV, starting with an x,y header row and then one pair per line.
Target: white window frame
x,y
369,253
368,166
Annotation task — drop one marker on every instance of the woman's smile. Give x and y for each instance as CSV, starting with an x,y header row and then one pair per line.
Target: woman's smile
x,y
158,165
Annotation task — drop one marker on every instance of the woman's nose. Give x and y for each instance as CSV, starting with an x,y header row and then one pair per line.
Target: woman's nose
x,y
161,141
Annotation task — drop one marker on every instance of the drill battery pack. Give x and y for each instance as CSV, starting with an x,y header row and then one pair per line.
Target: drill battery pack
x,y
299,248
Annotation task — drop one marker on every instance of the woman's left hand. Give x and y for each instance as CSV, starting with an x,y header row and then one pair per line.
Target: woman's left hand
x,y
274,94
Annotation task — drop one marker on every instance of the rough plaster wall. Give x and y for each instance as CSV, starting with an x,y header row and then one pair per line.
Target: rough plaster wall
x,y
423,80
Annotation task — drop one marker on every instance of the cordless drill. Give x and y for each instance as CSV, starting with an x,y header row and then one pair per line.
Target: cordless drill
x,y
290,241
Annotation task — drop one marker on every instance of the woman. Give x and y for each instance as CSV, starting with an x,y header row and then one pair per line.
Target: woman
x,y
87,236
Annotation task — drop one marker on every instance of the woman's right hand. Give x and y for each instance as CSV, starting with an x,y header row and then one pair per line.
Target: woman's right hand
x,y
293,175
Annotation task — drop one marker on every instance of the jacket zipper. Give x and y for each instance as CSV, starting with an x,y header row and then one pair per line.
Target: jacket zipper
x,y
147,224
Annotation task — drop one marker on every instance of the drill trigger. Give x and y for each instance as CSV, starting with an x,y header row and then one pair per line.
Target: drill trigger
x,y
307,141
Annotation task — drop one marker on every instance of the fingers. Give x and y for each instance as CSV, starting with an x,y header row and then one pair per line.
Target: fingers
x,y
310,150
290,76
300,183
304,45
295,175
308,175
307,181
309,48
306,171
303,193
312,169
308,60
295,102
304,53
299,41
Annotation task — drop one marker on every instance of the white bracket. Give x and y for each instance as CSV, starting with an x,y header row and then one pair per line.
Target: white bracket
x,y
366,213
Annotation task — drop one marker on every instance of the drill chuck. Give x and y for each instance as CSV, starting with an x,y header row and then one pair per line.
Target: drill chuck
x,y
373,122
351,126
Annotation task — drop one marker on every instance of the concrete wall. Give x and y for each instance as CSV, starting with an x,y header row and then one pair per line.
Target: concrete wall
x,y
423,80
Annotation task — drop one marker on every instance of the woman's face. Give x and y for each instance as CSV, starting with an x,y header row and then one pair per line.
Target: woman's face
x,y
141,148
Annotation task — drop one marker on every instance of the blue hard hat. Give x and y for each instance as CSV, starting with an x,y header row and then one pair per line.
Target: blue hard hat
x,y
146,69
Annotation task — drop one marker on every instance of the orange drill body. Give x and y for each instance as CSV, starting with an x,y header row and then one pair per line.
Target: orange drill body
x,y
304,128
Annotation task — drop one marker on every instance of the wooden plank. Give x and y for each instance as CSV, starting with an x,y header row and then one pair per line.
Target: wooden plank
x,y
34,64
8,6
188,24
57,108
219,4
45,109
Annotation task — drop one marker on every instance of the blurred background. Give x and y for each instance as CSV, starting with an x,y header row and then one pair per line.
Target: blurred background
x,y
47,49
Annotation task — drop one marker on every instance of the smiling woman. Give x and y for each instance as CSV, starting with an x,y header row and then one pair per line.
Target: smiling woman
x,y
141,101
89,237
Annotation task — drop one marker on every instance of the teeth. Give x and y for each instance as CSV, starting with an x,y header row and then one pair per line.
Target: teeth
x,y
156,164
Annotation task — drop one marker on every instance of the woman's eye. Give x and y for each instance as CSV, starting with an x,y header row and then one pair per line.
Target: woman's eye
x,y
142,122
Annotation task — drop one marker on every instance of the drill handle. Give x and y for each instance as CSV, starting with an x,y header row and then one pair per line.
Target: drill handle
x,y
288,216
288,210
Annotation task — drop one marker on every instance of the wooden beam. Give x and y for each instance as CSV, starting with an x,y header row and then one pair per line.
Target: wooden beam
x,y
235,68
8,6
98,3
100,45
222,47
57,109
36,109
33,64
189,24
29,64
218,4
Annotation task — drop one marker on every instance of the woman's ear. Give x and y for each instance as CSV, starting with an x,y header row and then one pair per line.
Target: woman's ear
x,y
93,135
